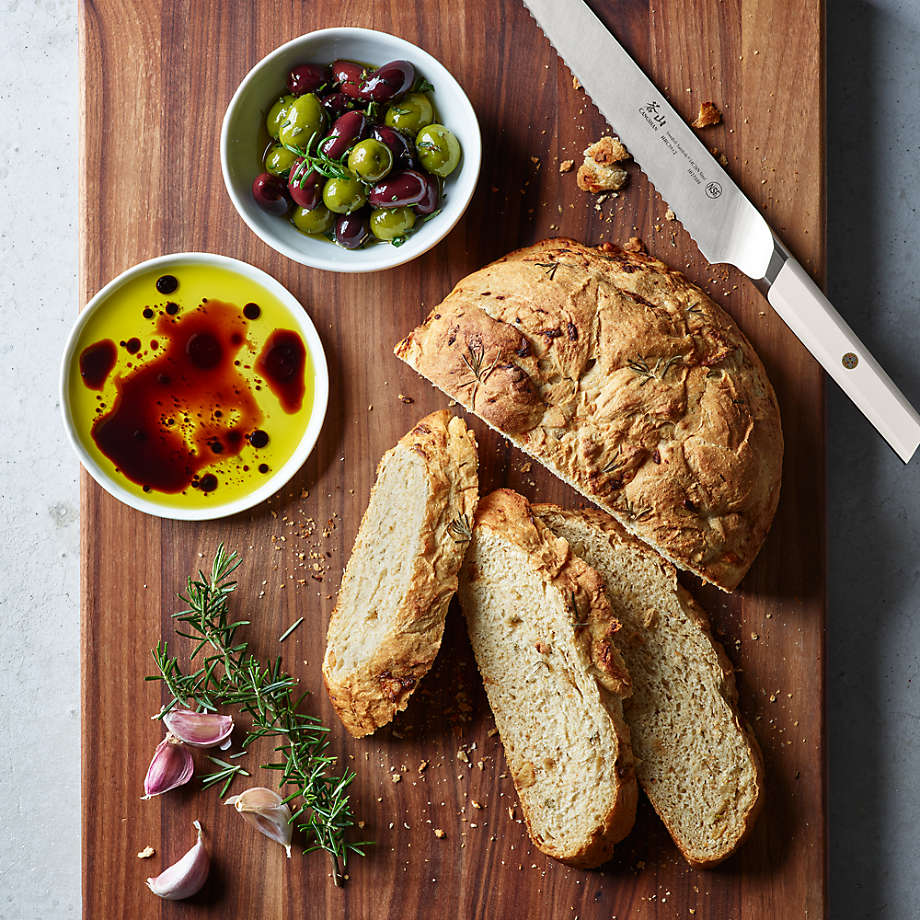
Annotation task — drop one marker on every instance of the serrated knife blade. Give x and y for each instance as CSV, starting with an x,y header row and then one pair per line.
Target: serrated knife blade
x,y
721,219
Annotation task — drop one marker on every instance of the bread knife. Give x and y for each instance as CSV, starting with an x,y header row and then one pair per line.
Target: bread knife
x,y
722,221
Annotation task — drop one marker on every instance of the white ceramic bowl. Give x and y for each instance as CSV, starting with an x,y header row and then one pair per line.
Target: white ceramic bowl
x,y
240,153
299,318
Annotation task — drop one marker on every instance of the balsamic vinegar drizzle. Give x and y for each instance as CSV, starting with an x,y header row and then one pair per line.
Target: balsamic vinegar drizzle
x,y
186,403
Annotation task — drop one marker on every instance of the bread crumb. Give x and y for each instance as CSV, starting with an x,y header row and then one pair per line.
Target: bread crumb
x,y
461,755
599,172
146,853
535,161
670,215
566,166
576,83
439,833
709,114
754,636
396,777
476,804
634,245
408,400
422,767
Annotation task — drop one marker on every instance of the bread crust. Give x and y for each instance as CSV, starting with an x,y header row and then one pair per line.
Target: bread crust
x,y
509,515
370,696
617,536
628,382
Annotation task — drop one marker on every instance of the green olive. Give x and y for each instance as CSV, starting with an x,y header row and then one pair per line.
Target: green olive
x,y
279,160
389,223
438,150
411,113
305,118
344,195
277,115
314,220
370,160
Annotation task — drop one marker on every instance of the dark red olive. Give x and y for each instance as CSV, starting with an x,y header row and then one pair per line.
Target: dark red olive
x,y
400,146
349,76
305,185
388,81
270,193
306,78
432,200
336,104
352,230
398,190
347,130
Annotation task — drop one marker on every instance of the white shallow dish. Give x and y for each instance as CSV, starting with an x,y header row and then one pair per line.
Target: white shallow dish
x,y
240,153
299,318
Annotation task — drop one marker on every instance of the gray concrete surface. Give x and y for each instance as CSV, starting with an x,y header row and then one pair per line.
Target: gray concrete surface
x,y
39,508
874,502
873,626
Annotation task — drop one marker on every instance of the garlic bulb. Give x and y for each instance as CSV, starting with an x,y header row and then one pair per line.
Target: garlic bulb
x,y
170,767
267,812
185,877
200,729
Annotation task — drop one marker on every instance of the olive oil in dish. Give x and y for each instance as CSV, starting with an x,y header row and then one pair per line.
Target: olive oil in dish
x,y
191,388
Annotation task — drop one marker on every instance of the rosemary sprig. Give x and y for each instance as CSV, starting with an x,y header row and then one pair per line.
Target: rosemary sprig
x,y
640,367
635,514
460,529
228,673
226,774
473,360
615,463
290,629
549,267
324,165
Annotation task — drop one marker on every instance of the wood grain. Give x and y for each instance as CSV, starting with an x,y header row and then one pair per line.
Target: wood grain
x,y
156,79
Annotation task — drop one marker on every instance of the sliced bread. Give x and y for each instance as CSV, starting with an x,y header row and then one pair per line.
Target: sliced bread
x,y
696,760
542,632
388,621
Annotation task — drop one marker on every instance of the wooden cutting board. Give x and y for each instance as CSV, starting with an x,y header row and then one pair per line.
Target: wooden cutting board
x,y
156,80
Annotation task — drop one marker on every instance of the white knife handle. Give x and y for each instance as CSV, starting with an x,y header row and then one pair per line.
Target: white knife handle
x,y
821,329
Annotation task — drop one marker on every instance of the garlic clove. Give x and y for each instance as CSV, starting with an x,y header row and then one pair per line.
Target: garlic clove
x,y
267,812
170,767
185,877
200,729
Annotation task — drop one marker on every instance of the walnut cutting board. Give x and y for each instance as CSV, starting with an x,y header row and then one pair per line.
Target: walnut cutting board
x,y
156,80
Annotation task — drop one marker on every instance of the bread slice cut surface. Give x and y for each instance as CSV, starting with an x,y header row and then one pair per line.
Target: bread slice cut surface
x,y
388,621
695,759
542,633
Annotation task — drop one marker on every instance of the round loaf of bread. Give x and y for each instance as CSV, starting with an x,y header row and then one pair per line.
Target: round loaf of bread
x,y
628,382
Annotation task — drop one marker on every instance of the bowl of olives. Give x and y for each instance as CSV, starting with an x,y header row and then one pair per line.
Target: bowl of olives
x,y
350,150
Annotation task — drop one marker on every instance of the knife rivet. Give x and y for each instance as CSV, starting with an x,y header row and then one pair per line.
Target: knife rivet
x,y
850,360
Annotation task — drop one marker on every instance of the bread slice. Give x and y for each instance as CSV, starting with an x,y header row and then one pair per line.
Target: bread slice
x,y
542,632
696,760
388,621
